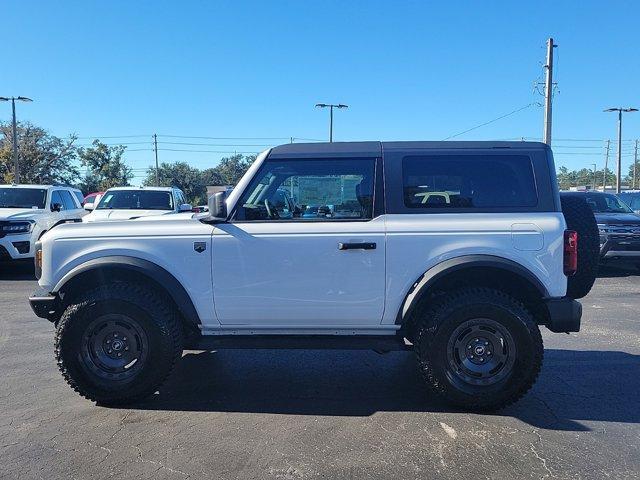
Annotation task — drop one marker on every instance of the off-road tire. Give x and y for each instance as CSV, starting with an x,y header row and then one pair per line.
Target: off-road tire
x,y
158,322
579,217
436,328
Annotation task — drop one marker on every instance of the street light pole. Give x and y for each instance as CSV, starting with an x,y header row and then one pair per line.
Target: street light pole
x,y
14,134
331,106
619,169
594,175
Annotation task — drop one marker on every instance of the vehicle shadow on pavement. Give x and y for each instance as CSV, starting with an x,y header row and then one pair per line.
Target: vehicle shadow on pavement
x,y
17,270
574,386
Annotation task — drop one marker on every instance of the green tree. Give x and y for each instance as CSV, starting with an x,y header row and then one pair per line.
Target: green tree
x,y
44,158
633,174
583,177
105,167
179,174
231,169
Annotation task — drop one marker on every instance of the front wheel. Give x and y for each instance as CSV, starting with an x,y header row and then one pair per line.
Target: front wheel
x,y
479,349
117,343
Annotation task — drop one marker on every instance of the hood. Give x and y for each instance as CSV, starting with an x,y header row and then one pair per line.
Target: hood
x,y
133,231
617,218
18,213
106,215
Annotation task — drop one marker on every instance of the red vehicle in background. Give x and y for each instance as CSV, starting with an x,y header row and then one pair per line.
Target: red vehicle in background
x,y
91,200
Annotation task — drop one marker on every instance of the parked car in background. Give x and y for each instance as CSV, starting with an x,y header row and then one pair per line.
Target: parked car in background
x,y
632,199
91,200
200,209
618,225
124,203
28,211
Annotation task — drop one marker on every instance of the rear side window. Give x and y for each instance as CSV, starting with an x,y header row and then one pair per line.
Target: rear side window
x,y
468,182
56,198
67,199
79,196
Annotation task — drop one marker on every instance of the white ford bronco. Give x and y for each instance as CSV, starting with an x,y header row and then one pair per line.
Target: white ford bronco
x,y
458,251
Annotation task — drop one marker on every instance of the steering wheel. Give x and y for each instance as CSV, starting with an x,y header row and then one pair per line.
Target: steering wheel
x,y
271,210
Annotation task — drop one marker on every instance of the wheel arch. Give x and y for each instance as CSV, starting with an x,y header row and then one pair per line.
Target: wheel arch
x,y
118,267
474,270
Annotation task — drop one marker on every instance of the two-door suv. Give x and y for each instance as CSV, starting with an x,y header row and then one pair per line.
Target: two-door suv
x,y
456,250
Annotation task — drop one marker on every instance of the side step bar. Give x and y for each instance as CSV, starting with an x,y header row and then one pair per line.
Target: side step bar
x,y
295,342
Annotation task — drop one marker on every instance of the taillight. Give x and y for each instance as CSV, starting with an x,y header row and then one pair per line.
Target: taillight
x,y
570,252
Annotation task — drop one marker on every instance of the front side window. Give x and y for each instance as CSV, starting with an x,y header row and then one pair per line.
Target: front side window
x,y
468,181
136,200
23,198
310,190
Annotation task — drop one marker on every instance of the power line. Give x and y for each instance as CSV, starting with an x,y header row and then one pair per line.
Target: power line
x,y
216,144
226,138
204,151
492,121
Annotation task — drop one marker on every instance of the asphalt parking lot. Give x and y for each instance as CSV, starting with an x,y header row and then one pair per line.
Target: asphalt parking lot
x,y
320,414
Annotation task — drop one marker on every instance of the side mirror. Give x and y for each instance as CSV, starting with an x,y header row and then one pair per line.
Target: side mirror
x,y
185,207
89,206
218,206
56,207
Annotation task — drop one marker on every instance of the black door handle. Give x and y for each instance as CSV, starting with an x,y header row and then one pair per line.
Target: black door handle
x,y
357,246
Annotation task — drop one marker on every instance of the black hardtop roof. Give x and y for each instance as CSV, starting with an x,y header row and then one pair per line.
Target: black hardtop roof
x,y
375,149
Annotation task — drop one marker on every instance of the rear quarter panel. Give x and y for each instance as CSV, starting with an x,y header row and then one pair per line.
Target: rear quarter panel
x,y
416,243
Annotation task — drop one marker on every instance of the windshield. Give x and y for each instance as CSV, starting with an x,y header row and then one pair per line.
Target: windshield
x,y
23,197
136,200
607,204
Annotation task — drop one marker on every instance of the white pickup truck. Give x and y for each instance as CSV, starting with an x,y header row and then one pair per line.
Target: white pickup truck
x,y
457,250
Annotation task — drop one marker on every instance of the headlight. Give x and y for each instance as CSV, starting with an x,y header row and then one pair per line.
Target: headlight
x,y
17,227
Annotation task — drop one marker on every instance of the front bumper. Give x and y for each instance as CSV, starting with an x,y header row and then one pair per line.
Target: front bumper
x,y
619,246
16,246
45,305
564,314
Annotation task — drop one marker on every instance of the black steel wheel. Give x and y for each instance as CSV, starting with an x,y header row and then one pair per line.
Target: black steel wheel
x,y
114,346
478,348
118,343
480,352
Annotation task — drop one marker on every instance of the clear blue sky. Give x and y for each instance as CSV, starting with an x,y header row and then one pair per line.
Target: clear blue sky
x,y
408,70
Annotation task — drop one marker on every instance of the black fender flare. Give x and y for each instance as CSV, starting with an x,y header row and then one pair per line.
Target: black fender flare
x,y
159,275
438,271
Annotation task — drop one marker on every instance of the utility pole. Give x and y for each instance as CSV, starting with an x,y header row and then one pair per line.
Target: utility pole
x,y
155,149
606,166
619,169
635,165
331,106
14,134
548,92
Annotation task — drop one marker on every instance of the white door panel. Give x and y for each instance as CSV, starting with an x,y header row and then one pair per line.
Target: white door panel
x,y
279,273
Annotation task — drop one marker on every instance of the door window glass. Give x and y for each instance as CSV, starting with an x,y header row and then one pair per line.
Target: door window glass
x,y
67,200
310,190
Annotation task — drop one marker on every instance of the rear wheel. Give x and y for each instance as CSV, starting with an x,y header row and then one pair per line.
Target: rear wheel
x,y
479,348
118,343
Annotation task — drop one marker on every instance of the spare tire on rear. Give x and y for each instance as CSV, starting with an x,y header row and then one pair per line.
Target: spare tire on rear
x,y
579,217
